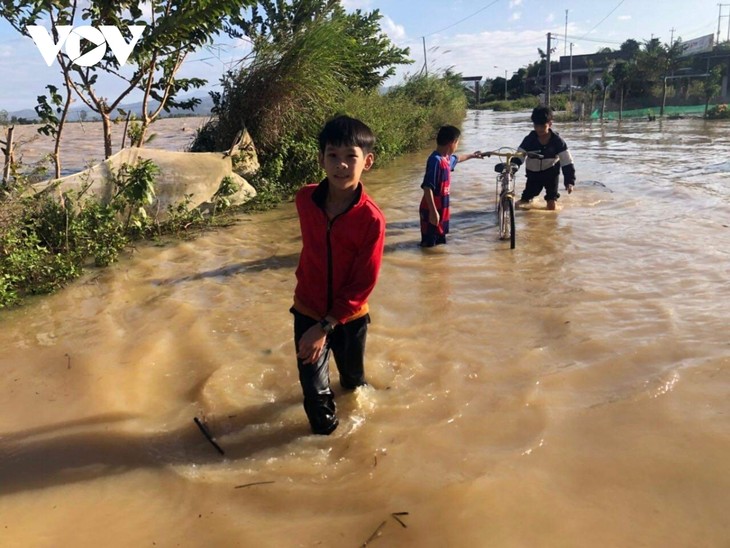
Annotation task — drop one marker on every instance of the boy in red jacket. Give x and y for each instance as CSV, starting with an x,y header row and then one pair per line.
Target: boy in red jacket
x,y
343,232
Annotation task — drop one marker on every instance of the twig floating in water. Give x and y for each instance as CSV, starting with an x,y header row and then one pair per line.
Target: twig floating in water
x,y
373,536
252,484
207,435
396,517
69,361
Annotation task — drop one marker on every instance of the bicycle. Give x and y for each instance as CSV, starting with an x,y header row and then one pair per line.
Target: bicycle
x,y
505,191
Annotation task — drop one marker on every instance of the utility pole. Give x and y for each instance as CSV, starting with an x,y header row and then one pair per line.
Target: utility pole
x,y
671,37
719,18
570,93
565,42
425,60
547,72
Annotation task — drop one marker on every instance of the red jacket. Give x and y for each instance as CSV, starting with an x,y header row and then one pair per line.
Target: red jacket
x,y
340,258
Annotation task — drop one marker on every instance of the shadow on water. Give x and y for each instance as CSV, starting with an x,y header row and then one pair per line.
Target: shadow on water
x,y
394,230
60,454
273,262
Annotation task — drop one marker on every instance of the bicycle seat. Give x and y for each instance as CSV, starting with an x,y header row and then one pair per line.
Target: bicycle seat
x,y
513,167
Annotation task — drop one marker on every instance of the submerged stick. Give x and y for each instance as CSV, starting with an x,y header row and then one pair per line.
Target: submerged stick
x,y
372,537
395,516
207,435
252,484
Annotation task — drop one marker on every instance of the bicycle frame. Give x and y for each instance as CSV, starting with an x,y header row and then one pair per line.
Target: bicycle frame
x,y
505,191
505,187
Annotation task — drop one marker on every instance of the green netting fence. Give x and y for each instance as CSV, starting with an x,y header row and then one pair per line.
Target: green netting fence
x,y
669,111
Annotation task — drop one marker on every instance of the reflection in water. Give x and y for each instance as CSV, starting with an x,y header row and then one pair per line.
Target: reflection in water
x,y
522,397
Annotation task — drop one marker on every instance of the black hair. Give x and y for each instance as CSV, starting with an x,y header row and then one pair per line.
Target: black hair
x,y
447,134
346,131
542,115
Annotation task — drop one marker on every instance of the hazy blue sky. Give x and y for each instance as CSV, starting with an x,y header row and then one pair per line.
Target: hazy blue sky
x,y
475,37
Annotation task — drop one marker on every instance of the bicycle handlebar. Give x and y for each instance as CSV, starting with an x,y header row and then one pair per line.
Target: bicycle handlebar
x,y
509,153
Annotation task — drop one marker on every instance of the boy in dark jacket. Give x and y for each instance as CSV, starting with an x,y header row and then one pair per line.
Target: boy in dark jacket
x,y
343,232
545,172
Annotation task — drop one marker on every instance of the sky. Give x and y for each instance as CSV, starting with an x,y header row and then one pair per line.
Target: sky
x,y
487,38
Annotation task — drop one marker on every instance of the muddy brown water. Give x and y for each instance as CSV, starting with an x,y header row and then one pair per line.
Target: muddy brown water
x,y
569,392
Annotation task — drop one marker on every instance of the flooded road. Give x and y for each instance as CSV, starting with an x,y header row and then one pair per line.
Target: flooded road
x,y
569,392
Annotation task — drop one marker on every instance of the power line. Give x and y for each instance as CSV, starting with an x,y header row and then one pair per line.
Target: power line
x,y
462,20
597,41
602,20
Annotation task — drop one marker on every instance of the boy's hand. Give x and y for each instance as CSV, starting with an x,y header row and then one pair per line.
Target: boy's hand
x,y
434,218
311,344
478,154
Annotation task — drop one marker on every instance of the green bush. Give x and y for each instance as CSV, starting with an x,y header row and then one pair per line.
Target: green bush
x,y
523,103
403,120
719,112
442,97
46,242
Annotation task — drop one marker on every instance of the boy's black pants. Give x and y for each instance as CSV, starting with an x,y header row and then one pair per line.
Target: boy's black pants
x,y
347,343
549,180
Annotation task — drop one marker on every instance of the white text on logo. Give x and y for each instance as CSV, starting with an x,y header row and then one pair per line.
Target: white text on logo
x,y
71,37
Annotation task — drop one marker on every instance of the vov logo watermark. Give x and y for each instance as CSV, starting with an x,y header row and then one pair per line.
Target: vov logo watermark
x,y
105,35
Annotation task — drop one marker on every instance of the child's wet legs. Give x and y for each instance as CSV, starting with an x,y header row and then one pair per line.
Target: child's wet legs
x,y
348,347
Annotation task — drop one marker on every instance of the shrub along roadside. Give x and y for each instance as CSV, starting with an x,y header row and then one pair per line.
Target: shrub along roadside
x,y
45,241
404,119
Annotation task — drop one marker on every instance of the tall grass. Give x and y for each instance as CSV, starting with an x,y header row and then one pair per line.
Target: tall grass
x,y
287,92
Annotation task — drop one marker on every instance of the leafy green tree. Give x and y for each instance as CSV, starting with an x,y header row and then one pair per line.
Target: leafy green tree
x,y
606,83
535,74
375,56
649,68
630,48
308,57
621,74
368,55
276,22
53,115
52,111
671,61
174,29
712,85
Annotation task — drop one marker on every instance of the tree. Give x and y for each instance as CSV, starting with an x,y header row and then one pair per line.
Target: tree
x,y
307,55
309,59
369,55
630,48
276,22
621,74
52,124
649,69
498,87
606,83
712,85
535,74
671,61
20,15
375,56
175,28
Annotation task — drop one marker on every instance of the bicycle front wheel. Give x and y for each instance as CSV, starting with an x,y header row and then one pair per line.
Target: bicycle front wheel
x,y
512,233
506,214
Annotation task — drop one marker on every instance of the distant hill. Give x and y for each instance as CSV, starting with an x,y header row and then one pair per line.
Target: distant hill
x,y
203,109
